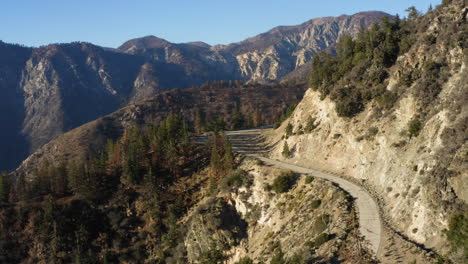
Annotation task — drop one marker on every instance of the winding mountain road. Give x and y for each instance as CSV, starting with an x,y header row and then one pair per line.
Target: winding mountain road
x,y
251,143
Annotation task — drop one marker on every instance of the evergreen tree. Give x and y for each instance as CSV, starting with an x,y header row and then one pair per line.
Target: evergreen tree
x,y
21,191
150,177
4,187
75,175
228,158
257,119
215,161
413,13
237,119
156,214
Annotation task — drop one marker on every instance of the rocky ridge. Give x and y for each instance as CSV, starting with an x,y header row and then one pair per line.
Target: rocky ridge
x,y
420,179
52,89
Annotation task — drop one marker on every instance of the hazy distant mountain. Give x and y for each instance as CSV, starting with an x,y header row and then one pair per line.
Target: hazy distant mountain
x,y
263,58
49,90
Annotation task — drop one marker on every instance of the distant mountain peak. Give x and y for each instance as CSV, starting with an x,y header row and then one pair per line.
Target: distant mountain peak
x,y
199,44
147,42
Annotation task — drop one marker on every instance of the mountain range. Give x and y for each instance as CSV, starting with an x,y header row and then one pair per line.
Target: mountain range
x,y
49,90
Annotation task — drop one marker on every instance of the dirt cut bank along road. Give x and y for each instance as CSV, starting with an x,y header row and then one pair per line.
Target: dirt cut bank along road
x,y
250,143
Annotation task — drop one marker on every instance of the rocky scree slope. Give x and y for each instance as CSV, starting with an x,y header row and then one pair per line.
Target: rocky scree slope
x,y
412,154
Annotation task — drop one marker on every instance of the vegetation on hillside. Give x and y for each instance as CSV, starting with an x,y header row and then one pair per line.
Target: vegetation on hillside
x,y
120,205
358,73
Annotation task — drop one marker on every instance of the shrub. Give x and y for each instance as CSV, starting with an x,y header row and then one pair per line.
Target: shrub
x,y
321,239
316,203
372,132
259,162
278,257
289,129
430,39
284,182
309,179
286,151
321,223
237,178
457,234
310,125
348,108
245,260
296,259
387,99
212,256
414,127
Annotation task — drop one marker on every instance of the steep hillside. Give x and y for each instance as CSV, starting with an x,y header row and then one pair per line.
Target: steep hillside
x,y
12,112
52,89
402,134
154,197
49,90
238,105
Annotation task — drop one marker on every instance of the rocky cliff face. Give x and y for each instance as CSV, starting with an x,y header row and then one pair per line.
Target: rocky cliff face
x,y
421,180
55,88
263,58
249,221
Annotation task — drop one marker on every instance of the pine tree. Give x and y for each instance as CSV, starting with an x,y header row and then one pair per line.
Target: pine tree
x,y
150,177
413,13
237,119
4,187
156,214
75,175
257,119
20,190
228,158
215,161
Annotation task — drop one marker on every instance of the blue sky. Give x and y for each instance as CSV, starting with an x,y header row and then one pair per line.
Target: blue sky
x,y
112,22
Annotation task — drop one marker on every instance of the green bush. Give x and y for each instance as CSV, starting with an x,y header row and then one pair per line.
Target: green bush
x,y
457,234
278,257
284,182
310,125
212,256
321,223
286,151
245,260
387,99
316,203
309,179
321,239
289,129
236,179
414,127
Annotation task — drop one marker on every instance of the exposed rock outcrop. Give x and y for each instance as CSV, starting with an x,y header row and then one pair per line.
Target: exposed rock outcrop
x,y
420,179
49,90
